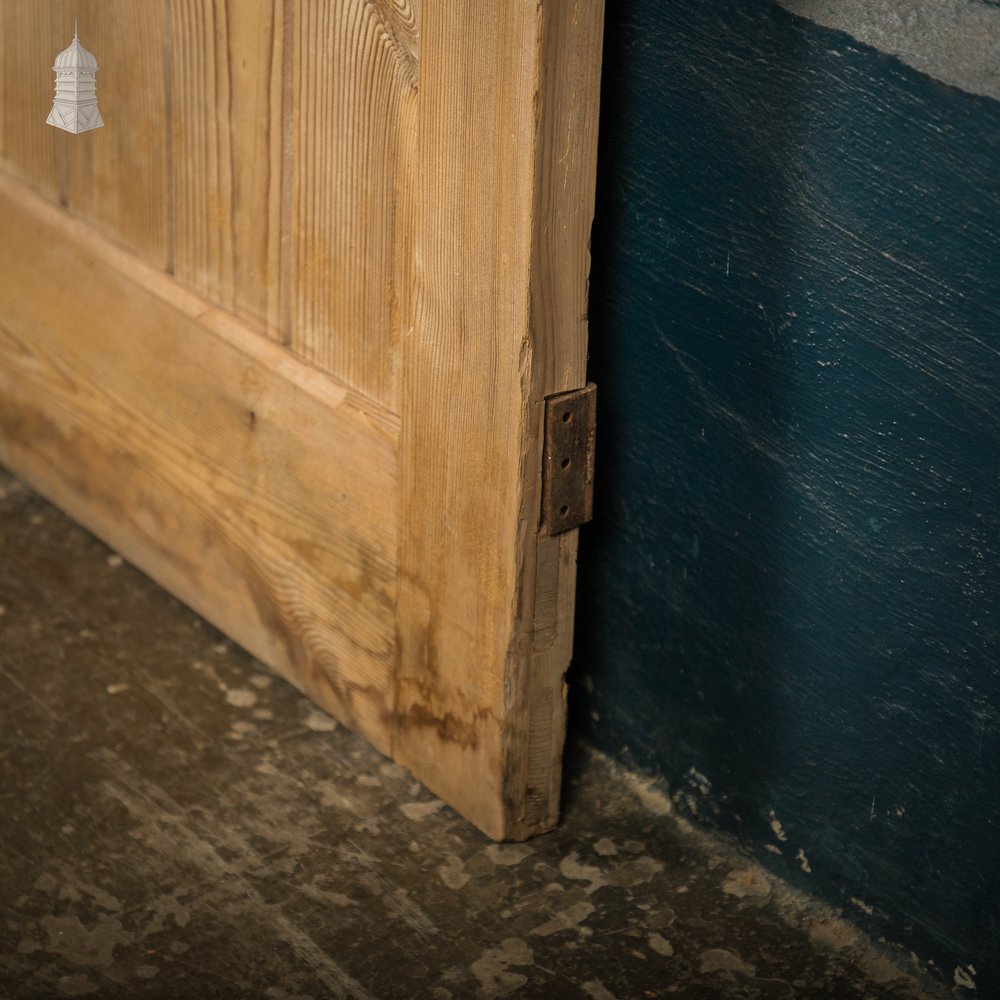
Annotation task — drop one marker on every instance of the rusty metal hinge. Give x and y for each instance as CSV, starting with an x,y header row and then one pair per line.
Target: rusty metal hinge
x,y
568,465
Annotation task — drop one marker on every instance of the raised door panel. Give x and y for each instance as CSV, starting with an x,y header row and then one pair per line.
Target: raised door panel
x,y
225,110
27,49
354,69
255,488
118,179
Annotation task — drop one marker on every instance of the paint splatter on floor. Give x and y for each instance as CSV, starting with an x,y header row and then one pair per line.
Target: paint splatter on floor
x,y
174,823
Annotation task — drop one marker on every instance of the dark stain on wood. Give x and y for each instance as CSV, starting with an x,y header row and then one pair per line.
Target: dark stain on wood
x,y
449,727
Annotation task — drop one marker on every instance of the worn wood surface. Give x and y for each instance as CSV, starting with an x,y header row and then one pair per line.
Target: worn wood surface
x,y
225,119
262,153
258,491
400,198
28,48
350,218
117,179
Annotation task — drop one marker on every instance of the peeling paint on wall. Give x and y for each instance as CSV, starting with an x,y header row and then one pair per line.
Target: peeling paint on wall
x,y
954,41
788,599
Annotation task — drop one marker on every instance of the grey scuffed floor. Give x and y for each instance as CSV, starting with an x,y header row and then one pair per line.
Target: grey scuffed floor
x,y
174,822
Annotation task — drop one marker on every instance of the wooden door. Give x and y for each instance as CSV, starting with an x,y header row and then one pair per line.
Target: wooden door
x,y
282,331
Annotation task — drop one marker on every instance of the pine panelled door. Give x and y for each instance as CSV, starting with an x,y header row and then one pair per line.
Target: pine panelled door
x,y
282,332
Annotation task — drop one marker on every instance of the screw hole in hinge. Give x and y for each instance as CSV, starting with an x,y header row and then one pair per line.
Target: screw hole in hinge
x,y
564,510
564,464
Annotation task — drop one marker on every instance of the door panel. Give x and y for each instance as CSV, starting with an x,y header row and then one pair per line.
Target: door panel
x,y
28,151
225,80
119,180
245,482
302,383
350,219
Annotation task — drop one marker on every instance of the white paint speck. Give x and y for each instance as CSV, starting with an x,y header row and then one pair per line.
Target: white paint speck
x,y
720,960
572,916
698,781
571,868
659,944
495,979
803,861
331,796
319,722
452,872
115,560
418,811
777,828
116,688
964,977
507,855
241,697
744,882
596,990
646,791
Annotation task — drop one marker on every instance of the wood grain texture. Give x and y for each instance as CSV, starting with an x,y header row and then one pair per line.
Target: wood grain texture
x,y
28,47
404,205
468,709
226,101
565,172
353,81
116,177
256,489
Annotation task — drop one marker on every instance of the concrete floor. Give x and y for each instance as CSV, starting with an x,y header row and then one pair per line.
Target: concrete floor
x,y
177,823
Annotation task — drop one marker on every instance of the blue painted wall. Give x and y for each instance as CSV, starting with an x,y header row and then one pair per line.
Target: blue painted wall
x,y
789,600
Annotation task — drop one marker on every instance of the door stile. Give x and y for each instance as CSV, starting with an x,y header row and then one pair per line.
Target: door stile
x,y
506,159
